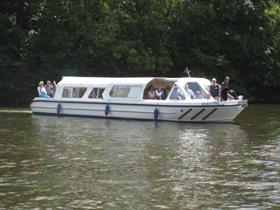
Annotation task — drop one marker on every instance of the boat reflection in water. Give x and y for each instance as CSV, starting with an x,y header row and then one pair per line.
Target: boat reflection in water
x,y
142,161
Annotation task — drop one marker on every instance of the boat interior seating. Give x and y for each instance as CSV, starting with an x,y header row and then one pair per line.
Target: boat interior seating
x,y
158,83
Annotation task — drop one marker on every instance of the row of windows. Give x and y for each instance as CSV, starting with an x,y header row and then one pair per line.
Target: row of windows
x,y
117,92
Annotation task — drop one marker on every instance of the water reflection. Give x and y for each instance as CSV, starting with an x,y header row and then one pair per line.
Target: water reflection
x,y
50,162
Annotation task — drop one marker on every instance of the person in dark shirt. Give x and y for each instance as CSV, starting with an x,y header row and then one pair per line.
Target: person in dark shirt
x,y
215,89
226,92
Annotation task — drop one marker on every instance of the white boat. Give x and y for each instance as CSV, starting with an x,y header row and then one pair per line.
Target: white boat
x,y
126,98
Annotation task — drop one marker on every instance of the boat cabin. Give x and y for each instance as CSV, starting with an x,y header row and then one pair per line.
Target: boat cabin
x,y
101,88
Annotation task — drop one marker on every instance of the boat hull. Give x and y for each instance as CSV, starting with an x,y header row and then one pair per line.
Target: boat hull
x,y
182,112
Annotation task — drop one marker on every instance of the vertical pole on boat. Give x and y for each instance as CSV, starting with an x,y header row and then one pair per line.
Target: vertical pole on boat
x,y
156,112
107,109
58,109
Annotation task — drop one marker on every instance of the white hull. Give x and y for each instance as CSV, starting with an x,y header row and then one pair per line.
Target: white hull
x,y
144,110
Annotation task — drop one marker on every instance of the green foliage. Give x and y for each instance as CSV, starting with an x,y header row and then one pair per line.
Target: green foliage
x,y
43,40
273,50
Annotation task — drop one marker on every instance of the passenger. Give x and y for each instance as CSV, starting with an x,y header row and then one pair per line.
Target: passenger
x,y
225,95
54,87
164,94
151,92
177,94
50,88
189,91
224,84
215,89
225,88
159,93
42,90
198,95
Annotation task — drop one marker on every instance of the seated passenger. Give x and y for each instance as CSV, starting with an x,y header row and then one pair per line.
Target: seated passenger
x,y
189,91
225,95
50,88
151,93
177,94
42,90
164,94
198,95
159,93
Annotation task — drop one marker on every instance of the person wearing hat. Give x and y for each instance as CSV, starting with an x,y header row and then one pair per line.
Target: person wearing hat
x,y
215,89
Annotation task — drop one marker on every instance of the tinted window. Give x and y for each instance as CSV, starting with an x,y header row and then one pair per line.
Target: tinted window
x,y
177,94
96,93
126,91
73,92
198,91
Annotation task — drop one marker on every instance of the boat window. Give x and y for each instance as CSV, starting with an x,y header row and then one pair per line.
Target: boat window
x,y
73,92
96,93
198,91
125,91
161,88
100,92
177,94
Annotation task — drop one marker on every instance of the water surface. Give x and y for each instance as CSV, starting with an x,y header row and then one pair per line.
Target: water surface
x,y
81,163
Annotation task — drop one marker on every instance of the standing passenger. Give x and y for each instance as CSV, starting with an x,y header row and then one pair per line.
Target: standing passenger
x,y
226,92
215,89
225,83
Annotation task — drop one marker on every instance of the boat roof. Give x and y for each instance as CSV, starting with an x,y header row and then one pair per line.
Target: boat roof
x,y
69,80
182,81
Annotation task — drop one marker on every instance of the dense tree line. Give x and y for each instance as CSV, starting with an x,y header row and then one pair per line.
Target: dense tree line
x,y
46,39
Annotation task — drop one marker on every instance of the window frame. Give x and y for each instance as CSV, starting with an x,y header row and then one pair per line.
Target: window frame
x,y
132,92
73,92
98,93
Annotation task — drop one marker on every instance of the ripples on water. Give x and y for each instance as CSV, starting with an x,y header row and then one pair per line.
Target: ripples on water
x,y
77,163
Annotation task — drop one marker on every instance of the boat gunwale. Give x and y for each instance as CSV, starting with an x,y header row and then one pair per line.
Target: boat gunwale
x,y
217,104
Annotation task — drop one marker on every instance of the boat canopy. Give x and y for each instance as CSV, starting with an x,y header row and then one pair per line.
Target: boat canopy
x,y
157,81
88,81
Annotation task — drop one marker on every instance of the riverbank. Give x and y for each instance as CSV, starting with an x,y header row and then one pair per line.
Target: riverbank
x,y
15,110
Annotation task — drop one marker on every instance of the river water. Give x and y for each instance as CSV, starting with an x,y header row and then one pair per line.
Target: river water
x,y
81,163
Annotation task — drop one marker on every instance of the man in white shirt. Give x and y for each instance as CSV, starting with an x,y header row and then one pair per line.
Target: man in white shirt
x,y
189,91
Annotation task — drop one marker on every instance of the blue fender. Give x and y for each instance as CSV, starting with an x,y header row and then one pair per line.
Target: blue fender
x,y
58,108
107,109
156,113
